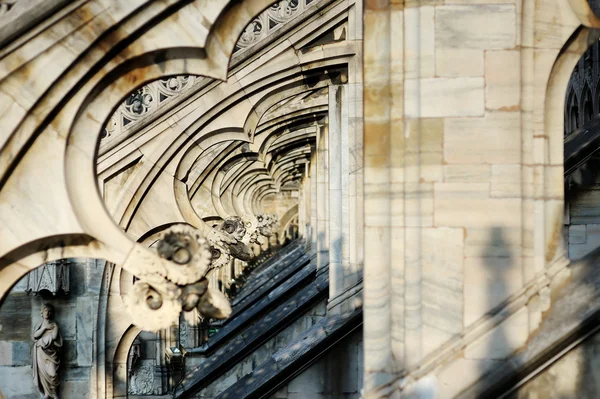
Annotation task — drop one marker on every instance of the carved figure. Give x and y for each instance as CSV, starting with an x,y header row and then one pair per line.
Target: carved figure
x,y
46,354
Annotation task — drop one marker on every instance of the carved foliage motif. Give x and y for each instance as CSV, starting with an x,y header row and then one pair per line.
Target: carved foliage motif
x,y
149,98
144,101
269,21
172,282
267,224
142,380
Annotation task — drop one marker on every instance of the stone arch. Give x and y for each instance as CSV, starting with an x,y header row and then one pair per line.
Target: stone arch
x,y
145,59
554,128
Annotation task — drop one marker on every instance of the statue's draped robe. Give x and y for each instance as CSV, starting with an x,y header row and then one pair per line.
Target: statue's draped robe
x,y
46,360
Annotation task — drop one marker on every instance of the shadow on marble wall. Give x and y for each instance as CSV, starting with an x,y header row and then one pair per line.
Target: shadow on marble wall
x,y
588,376
497,275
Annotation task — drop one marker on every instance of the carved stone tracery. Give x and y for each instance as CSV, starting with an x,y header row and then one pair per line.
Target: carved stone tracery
x,y
149,98
52,277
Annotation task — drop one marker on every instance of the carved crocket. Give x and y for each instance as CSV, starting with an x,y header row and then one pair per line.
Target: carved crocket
x,y
173,282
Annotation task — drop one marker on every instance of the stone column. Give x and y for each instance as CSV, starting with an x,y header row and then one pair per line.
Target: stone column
x,y
313,202
301,209
382,309
338,190
354,100
322,196
307,208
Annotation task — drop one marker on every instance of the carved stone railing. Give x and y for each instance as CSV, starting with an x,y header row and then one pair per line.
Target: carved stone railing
x,y
269,21
144,101
143,104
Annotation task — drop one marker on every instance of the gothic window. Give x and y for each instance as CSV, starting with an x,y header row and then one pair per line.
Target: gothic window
x,y
572,114
587,105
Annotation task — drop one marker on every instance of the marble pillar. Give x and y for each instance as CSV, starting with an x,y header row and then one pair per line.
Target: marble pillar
x,y
322,196
338,254
313,202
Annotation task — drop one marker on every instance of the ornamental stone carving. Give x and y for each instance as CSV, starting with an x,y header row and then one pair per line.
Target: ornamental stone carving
x,y
46,354
148,99
144,101
270,20
52,277
188,250
267,224
236,228
172,282
142,381
228,240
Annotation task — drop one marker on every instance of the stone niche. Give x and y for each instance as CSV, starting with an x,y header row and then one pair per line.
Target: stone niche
x,y
72,286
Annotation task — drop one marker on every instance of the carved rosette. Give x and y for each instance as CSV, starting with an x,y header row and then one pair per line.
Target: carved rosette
x,y
151,309
235,227
185,247
255,31
267,224
173,281
283,11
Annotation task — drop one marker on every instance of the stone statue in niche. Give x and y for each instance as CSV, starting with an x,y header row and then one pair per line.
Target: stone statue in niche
x,y
46,354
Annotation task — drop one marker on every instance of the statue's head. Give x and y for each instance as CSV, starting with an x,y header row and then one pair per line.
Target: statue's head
x,y
47,311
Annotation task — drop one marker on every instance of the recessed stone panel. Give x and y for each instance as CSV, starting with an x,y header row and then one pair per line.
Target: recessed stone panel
x,y
85,331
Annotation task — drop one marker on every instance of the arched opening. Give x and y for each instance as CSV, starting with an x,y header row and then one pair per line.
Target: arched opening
x,y
571,113
244,162
587,105
194,160
582,160
33,340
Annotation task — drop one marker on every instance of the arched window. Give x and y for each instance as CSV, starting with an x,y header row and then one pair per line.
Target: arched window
x,y
572,114
587,105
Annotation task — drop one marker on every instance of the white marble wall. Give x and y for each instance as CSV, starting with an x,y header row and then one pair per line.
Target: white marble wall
x,y
463,183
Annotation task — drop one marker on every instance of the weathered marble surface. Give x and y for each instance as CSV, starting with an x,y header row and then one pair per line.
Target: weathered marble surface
x,y
323,333
252,336
461,160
